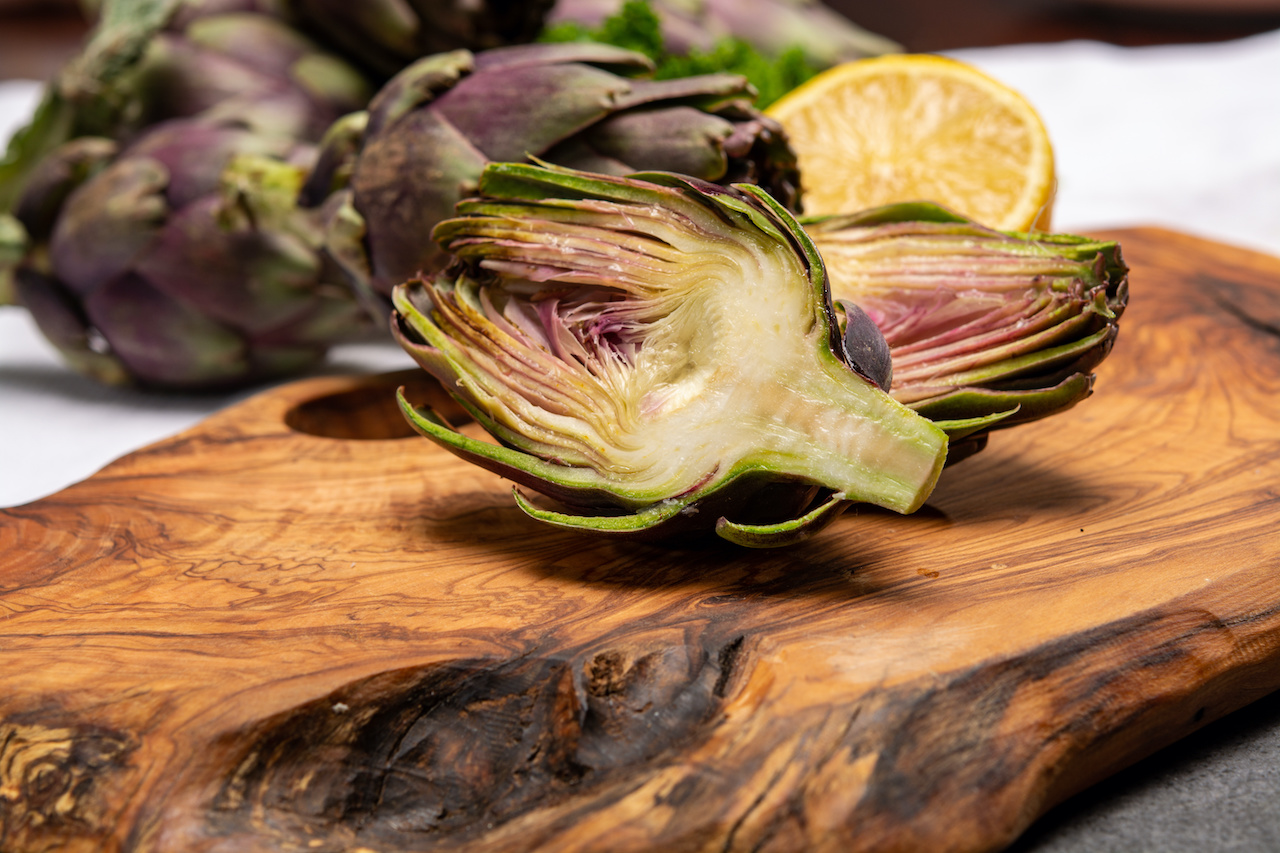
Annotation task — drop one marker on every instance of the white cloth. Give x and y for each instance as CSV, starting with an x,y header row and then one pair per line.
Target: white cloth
x,y
1186,137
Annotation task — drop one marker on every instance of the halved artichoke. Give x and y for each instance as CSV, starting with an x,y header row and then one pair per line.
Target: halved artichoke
x,y
402,165
986,329
660,355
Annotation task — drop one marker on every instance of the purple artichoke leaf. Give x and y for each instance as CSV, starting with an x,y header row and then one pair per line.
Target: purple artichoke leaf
x,y
683,139
401,201
251,63
255,41
510,117
162,342
62,321
1029,364
706,91
182,80
578,152
54,179
608,57
592,325
254,279
108,222
197,153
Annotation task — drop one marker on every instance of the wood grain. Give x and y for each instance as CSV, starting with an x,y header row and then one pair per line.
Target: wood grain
x,y
297,627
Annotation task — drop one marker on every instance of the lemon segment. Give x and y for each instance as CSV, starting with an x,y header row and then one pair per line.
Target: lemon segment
x,y
919,127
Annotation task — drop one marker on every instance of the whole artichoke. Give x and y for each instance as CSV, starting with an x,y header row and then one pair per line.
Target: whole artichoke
x,y
660,355
166,249
985,329
824,36
387,35
401,167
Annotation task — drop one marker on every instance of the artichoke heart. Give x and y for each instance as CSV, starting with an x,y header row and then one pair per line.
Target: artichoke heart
x,y
658,354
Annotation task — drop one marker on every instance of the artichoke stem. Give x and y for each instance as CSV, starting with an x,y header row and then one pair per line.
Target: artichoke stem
x,y
832,427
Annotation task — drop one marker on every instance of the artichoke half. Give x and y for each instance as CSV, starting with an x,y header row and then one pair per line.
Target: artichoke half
x,y
985,329
658,354
401,166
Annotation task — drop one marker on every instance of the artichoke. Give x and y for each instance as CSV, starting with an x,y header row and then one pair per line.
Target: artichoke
x,y
659,355
824,36
387,35
164,245
401,167
985,329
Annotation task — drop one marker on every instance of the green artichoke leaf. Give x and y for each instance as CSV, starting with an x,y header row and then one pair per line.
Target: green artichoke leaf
x,y
645,520
789,532
89,92
659,353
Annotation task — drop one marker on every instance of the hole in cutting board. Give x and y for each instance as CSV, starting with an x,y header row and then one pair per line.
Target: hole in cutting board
x,y
370,412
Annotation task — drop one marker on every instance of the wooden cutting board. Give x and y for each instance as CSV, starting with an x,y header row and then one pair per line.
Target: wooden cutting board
x,y
296,627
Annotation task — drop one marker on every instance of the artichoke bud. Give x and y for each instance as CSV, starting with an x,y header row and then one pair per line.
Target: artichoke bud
x,y
432,128
659,355
418,85
985,329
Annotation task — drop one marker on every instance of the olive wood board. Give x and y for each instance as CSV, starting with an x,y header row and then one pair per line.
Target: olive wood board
x,y
296,626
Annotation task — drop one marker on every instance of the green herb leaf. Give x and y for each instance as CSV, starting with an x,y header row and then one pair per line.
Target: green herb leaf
x,y
636,26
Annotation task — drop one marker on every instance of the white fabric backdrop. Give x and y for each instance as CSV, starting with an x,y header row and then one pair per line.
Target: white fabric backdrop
x,y
1182,136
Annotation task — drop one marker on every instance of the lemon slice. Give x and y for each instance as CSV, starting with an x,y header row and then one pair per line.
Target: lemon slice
x,y
918,127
